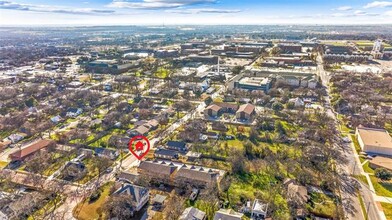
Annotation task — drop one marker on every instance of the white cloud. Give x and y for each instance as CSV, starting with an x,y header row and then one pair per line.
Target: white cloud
x,y
360,13
49,8
388,13
379,4
356,13
203,11
157,4
345,8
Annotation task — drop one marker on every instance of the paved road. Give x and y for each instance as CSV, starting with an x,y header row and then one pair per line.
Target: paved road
x,y
351,166
76,193
131,161
350,200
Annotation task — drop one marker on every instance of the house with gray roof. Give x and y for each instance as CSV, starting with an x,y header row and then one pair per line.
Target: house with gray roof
x,y
192,213
139,195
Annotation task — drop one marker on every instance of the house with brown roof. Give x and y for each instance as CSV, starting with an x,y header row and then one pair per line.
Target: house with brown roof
x,y
212,111
295,192
166,171
227,107
31,149
218,108
246,112
373,140
197,175
160,170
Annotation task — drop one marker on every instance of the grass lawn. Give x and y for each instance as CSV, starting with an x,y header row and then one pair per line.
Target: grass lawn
x,y
60,161
362,178
387,210
322,204
92,171
368,169
343,127
355,142
103,142
382,189
362,158
3,164
363,207
235,143
86,210
40,213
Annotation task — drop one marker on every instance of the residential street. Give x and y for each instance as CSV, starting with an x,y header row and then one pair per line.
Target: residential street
x,y
351,166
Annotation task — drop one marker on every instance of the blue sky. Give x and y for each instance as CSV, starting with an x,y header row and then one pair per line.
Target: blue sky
x,y
106,12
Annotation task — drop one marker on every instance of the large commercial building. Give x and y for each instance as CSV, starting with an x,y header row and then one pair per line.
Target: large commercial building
x,y
254,83
376,141
110,66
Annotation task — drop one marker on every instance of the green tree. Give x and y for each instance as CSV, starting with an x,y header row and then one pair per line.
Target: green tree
x,y
383,174
279,128
237,70
277,106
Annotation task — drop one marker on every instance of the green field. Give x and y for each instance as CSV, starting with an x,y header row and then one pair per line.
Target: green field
x,y
86,210
382,189
322,204
162,73
368,169
3,164
387,207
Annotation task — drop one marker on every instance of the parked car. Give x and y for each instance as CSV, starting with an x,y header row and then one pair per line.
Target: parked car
x,y
194,194
229,137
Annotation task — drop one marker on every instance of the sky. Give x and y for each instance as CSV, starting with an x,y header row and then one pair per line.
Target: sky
x,y
181,12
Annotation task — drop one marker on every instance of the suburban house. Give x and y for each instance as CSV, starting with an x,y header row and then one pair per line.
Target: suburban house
x,y
73,169
31,149
218,108
246,112
158,201
259,210
372,140
177,146
193,214
298,102
15,138
56,119
139,195
295,192
192,156
143,127
227,214
227,107
166,154
159,170
289,80
140,130
197,175
167,171
106,153
74,112
212,111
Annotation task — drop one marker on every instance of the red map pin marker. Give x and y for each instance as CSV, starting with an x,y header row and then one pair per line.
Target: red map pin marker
x,y
137,148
